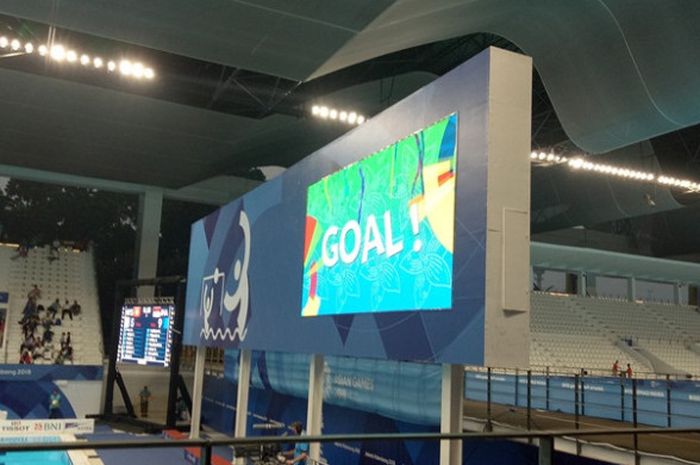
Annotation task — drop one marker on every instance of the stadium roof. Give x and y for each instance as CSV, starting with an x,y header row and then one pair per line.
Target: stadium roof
x,y
608,263
235,82
235,79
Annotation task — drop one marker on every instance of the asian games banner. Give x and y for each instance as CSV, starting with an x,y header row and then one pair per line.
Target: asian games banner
x,y
372,246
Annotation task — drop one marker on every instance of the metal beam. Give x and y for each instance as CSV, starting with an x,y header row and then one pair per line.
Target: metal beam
x,y
196,193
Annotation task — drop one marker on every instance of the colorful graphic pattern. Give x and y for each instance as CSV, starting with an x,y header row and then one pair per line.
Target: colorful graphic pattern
x,y
379,234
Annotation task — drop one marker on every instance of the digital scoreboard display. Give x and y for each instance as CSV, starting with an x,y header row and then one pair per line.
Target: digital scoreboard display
x,y
379,234
145,336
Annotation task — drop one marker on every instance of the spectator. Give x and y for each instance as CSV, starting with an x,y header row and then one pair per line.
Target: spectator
x,y
22,252
53,308
63,339
26,358
68,340
628,372
66,309
35,293
67,353
144,397
28,344
53,251
301,449
616,368
30,307
75,308
55,405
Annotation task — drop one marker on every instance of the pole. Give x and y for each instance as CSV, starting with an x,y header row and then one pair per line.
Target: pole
x,y
240,429
668,401
576,412
622,399
451,412
114,345
634,421
489,425
195,420
546,389
546,450
314,409
171,417
529,399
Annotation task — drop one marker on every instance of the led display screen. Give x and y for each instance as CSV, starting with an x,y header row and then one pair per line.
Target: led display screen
x,y
145,336
379,234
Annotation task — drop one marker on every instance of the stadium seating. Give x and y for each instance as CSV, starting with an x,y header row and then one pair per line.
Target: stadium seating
x,y
567,332
71,277
584,332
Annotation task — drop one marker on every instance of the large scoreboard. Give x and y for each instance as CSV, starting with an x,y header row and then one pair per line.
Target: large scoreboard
x,y
145,334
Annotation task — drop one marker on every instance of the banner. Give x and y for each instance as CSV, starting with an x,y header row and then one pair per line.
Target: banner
x,y
44,427
375,245
50,372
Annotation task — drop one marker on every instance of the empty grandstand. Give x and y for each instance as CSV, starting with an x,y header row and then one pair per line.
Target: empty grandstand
x,y
591,333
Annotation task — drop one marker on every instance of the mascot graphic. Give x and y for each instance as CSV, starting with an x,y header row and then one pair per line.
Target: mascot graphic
x,y
215,297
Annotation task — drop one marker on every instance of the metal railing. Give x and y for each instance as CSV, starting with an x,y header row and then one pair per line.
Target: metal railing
x,y
546,441
663,402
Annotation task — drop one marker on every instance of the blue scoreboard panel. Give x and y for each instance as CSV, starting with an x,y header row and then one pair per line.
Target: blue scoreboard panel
x,y
145,335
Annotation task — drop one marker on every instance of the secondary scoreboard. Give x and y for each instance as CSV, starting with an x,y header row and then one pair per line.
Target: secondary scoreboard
x,y
145,334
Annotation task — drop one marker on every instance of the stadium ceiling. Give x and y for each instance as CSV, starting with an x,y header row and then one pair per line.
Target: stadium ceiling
x,y
235,80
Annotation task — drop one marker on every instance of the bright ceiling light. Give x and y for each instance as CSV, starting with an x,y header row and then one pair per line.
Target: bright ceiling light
x,y
322,111
58,52
137,70
578,163
125,67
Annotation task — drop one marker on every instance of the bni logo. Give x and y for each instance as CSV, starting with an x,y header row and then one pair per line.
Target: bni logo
x,y
216,299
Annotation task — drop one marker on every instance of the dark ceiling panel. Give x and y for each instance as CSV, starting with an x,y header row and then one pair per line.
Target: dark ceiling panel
x,y
617,71
78,129
285,38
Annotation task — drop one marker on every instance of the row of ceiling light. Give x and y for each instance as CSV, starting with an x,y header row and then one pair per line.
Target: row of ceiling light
x,y
59,53
349,117
579,163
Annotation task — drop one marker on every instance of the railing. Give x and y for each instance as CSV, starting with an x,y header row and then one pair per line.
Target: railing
x,y
661,402
545,440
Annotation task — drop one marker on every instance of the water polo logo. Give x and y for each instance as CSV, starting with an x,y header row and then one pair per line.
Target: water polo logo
x,y
218,304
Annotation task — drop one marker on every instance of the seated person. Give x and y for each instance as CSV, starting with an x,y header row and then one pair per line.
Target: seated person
x,y
67,309
26,358
28,344
67,353
301,449
48,336
75,308
53,308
